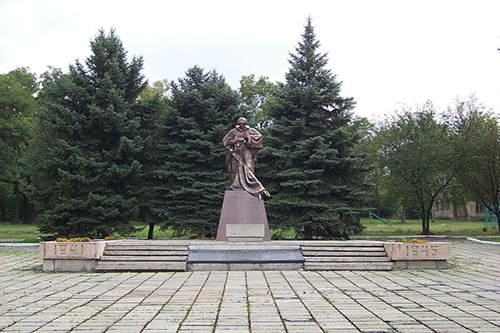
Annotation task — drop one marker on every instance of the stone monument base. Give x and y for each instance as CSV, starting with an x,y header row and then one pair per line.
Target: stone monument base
x,y
243,218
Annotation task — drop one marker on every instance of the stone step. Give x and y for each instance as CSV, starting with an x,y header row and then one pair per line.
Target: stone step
x,y
343,248
152,247
347,259
342,254
140,266
143,258
346,256
245,256
343,243
115,252
230,266
349,266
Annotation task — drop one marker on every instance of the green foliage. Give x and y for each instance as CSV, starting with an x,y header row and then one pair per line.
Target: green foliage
x,y
201,110
158,88
387,195
257,96
84,155
147,188
17,107
313,172
420,157
478,130
414,227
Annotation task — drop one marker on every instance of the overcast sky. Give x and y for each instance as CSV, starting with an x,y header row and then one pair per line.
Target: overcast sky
x,y
386,53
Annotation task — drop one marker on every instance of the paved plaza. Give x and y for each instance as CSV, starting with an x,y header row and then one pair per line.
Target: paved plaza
x,y
464,298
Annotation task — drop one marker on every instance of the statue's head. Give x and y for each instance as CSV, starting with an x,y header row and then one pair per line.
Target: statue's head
x,y
241,120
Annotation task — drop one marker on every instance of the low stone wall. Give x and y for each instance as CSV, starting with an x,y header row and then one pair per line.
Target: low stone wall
x,y
71,256
83,256
419,255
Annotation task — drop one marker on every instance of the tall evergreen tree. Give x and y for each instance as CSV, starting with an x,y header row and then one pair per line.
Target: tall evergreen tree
x,y
84,156
148,188
202,109
313,172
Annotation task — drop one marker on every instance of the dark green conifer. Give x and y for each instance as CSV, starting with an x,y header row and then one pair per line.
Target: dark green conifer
x,y
84,156
312,171
202,109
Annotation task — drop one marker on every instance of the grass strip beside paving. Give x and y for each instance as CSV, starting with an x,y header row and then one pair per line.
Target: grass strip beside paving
x,y
28,233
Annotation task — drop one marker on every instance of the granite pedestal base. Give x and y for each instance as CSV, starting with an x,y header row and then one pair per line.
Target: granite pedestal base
x,y
243,218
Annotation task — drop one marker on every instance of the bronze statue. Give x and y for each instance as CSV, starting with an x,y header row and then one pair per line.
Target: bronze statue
x,y
242,144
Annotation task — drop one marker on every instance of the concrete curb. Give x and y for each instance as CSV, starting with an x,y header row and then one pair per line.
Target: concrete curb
x,y
475,240
19,244
409,236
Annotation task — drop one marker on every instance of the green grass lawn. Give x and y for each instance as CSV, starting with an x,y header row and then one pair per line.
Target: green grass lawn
x,y
29,233
144,232
375,227
19,232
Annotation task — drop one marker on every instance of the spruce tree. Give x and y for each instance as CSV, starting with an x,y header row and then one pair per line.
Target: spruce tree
x,y
312,170
148,188
84,157
202,109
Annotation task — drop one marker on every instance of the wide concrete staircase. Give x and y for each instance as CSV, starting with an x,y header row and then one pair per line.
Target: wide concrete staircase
x,y
346,256
130,257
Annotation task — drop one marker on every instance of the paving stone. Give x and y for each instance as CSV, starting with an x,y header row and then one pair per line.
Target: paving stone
x,y
463,298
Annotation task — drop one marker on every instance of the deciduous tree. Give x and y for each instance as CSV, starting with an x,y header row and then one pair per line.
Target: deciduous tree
x,y
17,107
420,156
479,132
257,95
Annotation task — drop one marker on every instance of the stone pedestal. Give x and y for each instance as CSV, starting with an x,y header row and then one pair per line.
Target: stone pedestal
x,y
71,256
418,251
243,218
419,255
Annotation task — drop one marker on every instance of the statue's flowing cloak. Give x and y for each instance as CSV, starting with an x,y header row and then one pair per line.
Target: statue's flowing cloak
x,y
241,158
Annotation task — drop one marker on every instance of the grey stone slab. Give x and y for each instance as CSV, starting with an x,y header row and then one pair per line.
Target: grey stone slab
x,y
244,246
246,256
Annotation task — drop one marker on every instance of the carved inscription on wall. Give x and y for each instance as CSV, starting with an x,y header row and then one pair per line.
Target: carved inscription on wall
x,y
421,251
60,250
69,249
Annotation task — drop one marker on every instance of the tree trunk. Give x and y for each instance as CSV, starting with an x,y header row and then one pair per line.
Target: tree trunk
x,y
151,230
25,213
403,214
30,213
457,215
425,221
15,217
466,212
497,214
379,204
2,211
427,224
307,232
